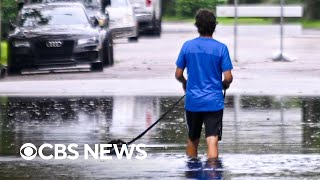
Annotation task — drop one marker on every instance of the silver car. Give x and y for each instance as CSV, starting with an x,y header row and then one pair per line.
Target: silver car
x,y
149,15
123,22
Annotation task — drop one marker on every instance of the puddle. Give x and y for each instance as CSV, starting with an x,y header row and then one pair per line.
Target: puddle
x,y
263,137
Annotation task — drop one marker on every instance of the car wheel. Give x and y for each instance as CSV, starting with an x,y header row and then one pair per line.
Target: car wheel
x,y
97,67
111,58
3,71
13,70
133,39
108,52
156,31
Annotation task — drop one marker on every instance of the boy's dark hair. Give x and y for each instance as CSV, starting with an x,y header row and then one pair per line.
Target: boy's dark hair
x,y
206,22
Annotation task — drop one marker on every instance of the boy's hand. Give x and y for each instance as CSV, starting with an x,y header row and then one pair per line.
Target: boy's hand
x,y
184,86
225,85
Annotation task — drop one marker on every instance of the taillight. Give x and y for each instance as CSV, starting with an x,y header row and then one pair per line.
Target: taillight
x,y
148,3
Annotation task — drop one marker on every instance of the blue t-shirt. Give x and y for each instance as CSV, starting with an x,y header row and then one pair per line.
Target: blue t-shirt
x,y
205,59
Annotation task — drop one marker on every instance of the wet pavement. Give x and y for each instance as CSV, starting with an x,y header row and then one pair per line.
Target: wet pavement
x,y
150,64
264,137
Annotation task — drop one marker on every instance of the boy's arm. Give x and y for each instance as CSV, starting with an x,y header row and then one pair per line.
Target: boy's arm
x,y
181,78
228,78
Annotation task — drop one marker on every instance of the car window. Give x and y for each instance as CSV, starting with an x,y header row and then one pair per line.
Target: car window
x,y
91,3
137,1
52,16
119,3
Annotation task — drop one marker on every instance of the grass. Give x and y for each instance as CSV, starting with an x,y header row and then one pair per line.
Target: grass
x,y
4,51
258,21
225,21
311,24
3,100
177,19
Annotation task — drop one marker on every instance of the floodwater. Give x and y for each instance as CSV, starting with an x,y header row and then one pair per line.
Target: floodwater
x,y
263,138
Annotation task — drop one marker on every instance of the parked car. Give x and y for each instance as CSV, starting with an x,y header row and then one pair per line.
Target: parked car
x,y
120,14
123,22
149,15
55,36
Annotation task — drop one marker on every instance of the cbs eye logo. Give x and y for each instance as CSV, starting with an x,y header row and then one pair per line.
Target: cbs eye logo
x,y
28,151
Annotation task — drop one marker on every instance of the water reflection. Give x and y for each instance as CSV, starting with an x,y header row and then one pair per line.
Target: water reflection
x,y
212,169
252,125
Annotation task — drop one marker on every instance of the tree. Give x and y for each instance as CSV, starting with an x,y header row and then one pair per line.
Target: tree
x,y
311,11
188,8
8,12
168,7
246,1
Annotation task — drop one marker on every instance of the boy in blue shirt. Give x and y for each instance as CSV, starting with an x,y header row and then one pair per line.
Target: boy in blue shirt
x,y
206,59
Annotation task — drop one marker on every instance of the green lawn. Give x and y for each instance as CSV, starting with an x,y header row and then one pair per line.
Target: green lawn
x,y
4,50
177,19
259,21
311,24
221,20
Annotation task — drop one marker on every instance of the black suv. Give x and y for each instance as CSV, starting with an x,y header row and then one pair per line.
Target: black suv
x,y
54,36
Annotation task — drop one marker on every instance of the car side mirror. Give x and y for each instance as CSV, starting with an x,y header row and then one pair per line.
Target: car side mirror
x,y
12,26
94,21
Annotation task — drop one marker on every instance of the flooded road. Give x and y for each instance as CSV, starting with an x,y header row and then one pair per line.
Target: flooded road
x,y
264,137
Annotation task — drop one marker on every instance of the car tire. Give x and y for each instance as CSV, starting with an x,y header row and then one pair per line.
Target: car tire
x,y
13,70
97,67
107,54
156,31
3,72
133,39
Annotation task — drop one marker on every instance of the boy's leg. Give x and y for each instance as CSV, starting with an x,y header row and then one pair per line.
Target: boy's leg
x,y
213,125
194,126
192,148
212,144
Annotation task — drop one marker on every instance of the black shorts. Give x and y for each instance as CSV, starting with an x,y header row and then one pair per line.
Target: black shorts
x,y
212,123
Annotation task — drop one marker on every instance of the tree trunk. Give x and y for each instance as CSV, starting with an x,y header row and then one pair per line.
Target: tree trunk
x,y
311,11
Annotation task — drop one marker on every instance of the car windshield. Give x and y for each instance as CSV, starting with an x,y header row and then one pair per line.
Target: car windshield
x,y
137,1
87,3
119,3
91,3
52,15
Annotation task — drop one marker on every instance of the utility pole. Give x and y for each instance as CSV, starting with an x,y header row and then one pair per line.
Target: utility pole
x,y
235,31
280,56
0,26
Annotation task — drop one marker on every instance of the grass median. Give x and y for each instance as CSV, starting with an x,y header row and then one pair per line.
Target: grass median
x,y
225,21
4,53
311,24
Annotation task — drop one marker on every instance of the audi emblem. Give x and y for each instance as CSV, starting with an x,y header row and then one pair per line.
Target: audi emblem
x,y
54,44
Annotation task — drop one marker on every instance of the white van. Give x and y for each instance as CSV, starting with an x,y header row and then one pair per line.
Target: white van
x,y
123,22
149,15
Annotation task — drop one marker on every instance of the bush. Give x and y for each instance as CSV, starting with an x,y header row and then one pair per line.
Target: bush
x,y
168,7
4,49
8,12
188,8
